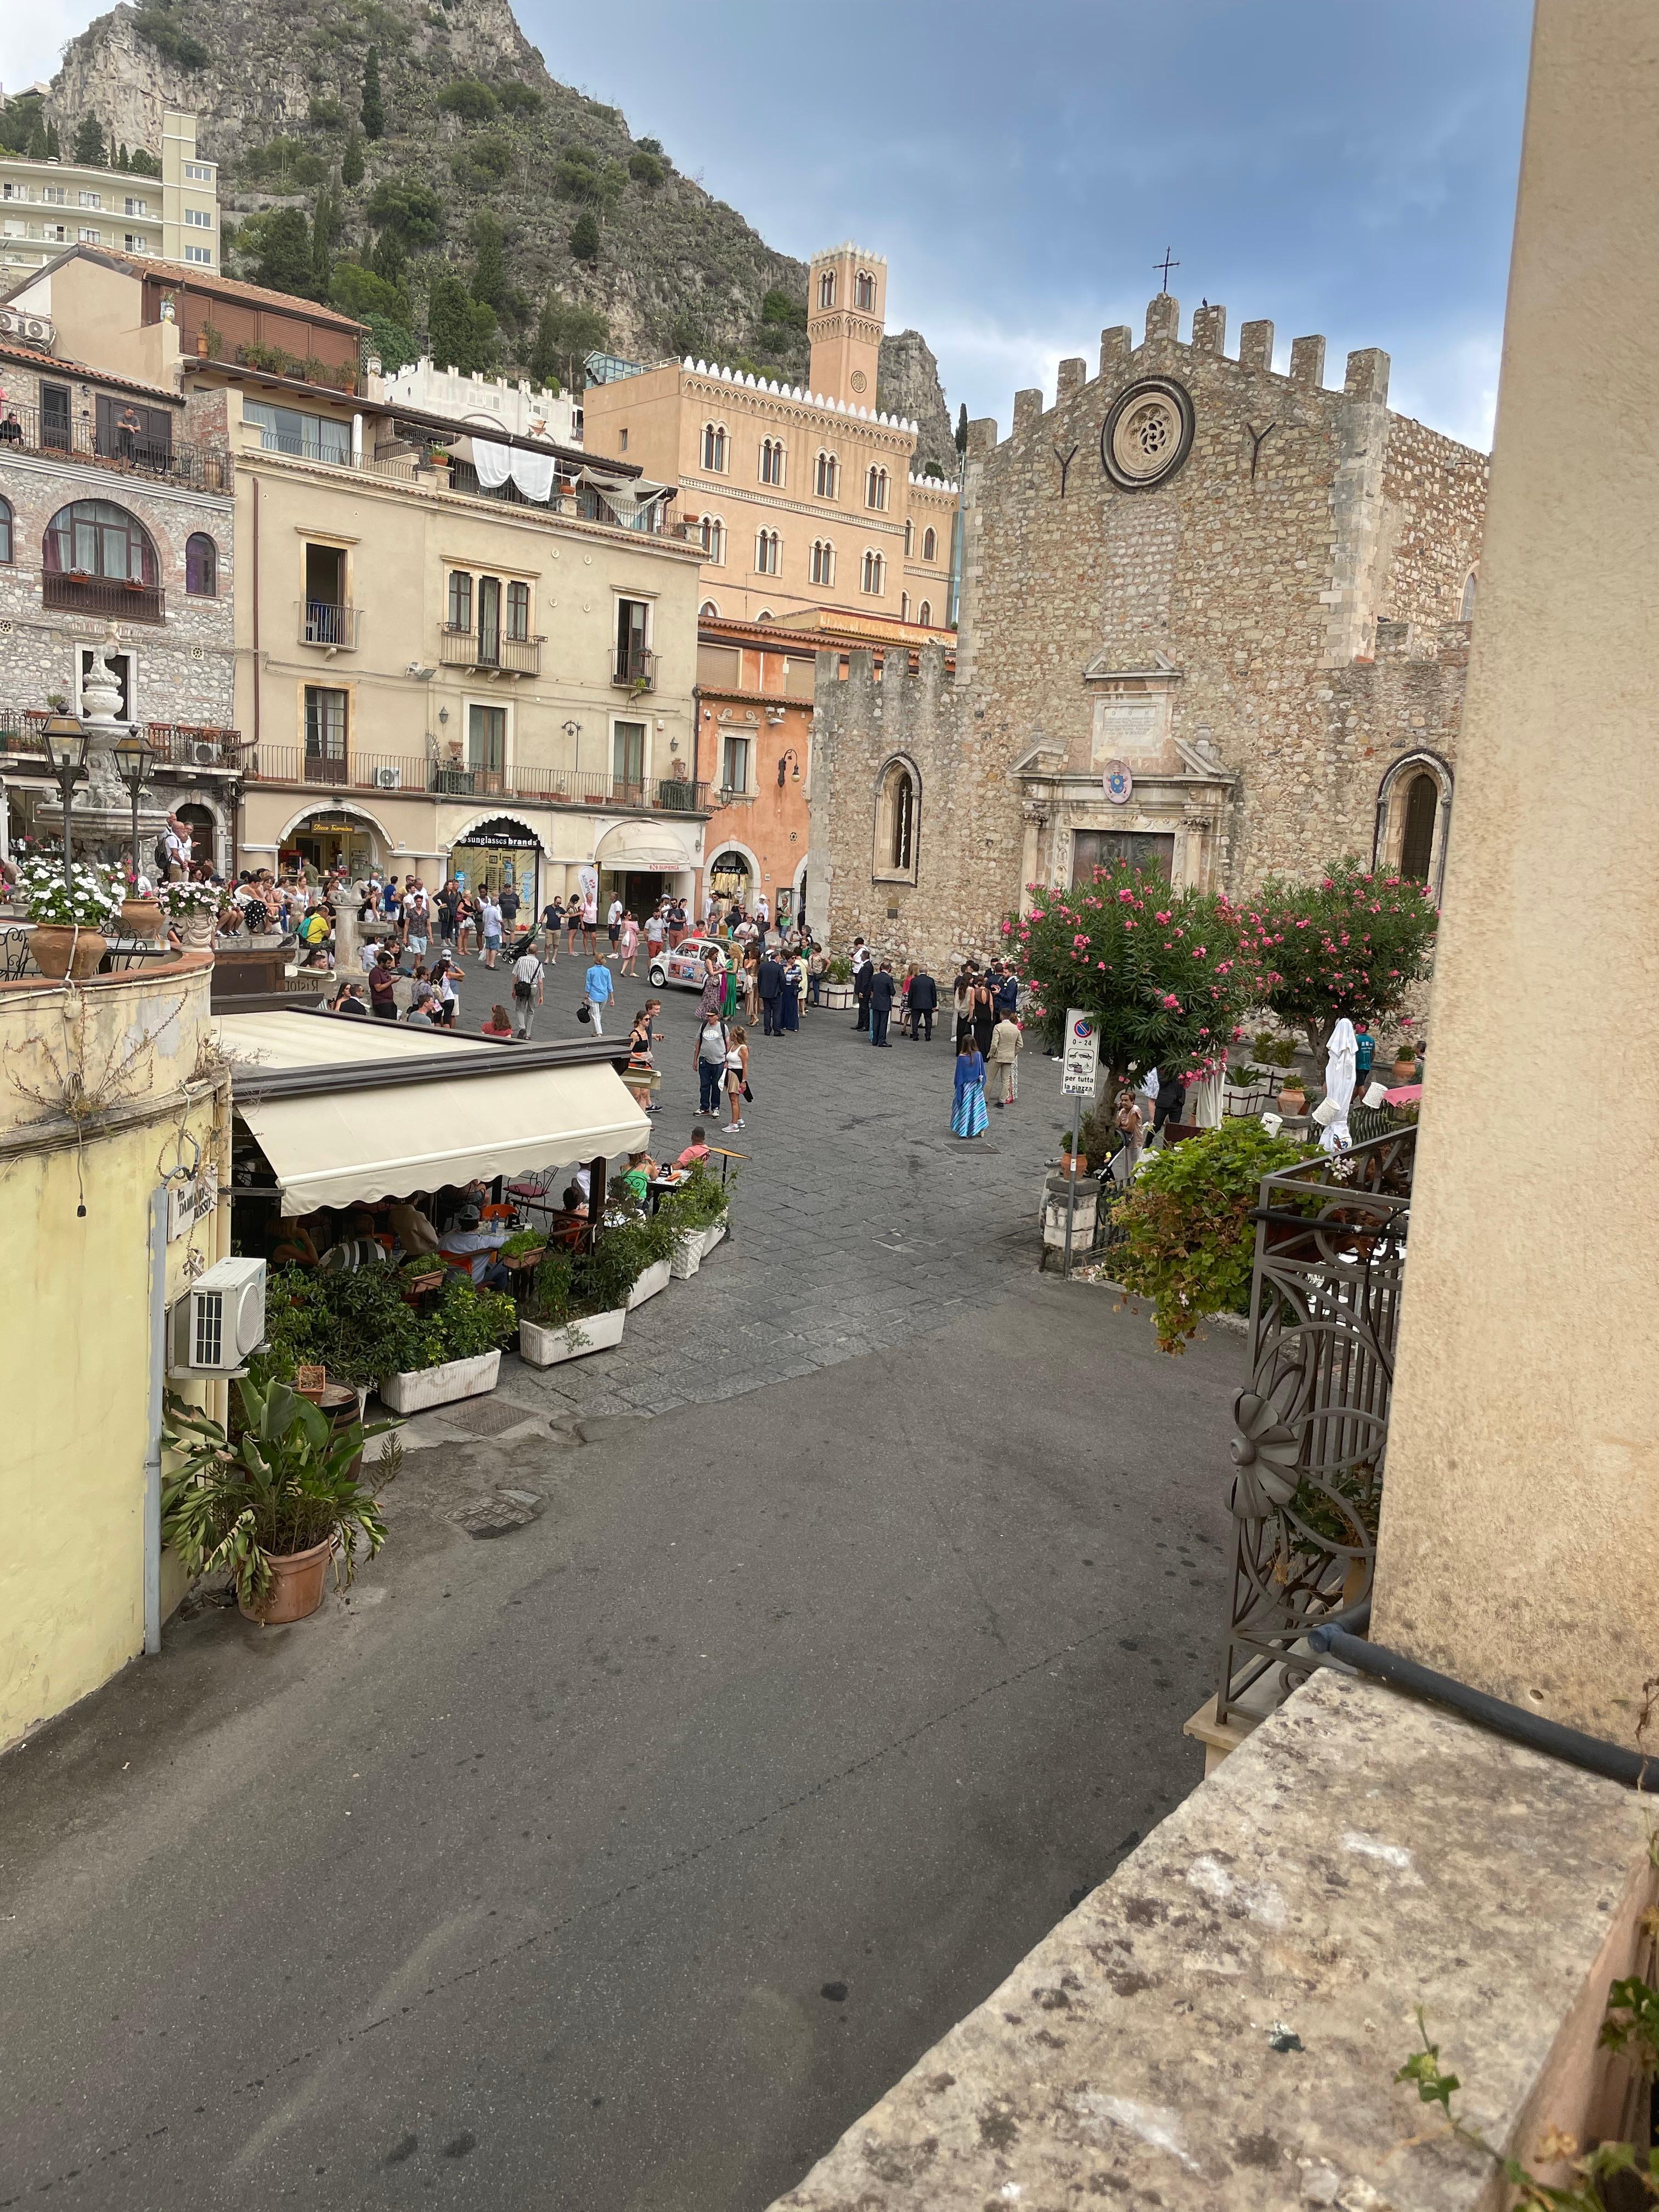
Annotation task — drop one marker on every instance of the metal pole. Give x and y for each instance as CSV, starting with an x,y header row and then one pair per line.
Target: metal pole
x,y
1071,1181
135,781
66,782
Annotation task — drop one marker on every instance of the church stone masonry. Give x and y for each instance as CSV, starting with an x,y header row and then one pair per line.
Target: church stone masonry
x,y
1213,619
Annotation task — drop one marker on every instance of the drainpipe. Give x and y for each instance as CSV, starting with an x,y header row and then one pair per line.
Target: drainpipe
x,y
158,1360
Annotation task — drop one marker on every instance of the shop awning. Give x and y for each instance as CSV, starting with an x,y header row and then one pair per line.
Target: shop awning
x,y
646,847
348,1111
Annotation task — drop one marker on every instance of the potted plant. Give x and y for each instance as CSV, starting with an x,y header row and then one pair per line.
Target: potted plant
x,y
581,1306
192,908
275,1506
141,912
697,1216
836,988
70,918
458,1346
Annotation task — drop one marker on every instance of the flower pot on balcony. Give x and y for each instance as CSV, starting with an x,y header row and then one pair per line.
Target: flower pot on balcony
x,y
61,951
141,918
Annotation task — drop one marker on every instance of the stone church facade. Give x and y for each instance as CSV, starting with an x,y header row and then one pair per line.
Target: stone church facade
x,y
1215,619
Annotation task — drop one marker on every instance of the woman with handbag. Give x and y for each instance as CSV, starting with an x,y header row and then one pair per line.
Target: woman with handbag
x,y
737,1077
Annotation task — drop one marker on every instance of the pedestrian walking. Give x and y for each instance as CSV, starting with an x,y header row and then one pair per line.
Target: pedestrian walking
x,y
590,925
713,1000
656,928
613,922
508,899
737,1076
1005,1042
984,1015
573,925
552,923
418,917
600,991
1171,1100
491,919
529,989
382,985
924,1000
768,987
709,1057
967,1115
446,976
630,946
789,1002
1130,1128
864,976
882,992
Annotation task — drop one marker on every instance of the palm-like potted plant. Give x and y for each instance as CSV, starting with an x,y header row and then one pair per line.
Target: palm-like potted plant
x,y
275,1505
70,918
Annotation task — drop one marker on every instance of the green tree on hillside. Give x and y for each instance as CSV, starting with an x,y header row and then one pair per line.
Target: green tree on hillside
x,y
962,428
585,237
88,148
409,208
388,258
490,265
565,335
351,163
284,263
473,101
460,329
327,228
374,107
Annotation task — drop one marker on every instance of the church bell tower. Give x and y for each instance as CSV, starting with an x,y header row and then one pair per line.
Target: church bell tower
x,y
846,314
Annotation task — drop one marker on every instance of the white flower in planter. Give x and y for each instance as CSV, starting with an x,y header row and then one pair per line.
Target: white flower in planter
x,y
90,900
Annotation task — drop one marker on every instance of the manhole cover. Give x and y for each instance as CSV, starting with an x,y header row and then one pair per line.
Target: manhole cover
x,y
487,1417
498,1512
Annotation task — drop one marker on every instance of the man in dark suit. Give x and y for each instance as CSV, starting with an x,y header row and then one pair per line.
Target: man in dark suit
x,y
924,999
864,974
769,982
882,992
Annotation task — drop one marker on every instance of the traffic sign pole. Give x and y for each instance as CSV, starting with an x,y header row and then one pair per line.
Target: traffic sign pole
x,y
1081,1072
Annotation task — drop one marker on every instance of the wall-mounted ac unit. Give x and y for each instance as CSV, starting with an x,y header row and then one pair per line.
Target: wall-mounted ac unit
x,y
220,1322
388,779
204,752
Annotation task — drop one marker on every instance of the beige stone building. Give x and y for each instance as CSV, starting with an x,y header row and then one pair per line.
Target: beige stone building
x,y
451,653
803,497
1214,619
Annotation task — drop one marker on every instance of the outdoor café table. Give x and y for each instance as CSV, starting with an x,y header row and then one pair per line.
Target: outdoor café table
x,y
659,1186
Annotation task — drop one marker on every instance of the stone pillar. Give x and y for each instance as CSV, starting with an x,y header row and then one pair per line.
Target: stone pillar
x,y
1520,1542
1035,817
348,900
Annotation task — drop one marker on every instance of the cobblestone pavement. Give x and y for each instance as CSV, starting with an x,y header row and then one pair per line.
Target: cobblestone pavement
x,y
860,1222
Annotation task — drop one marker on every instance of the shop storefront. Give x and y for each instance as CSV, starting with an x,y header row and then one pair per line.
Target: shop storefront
x,y
642,863
328,840
497,856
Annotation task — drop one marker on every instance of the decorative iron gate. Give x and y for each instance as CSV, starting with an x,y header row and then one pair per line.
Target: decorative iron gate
x,y
1313,1425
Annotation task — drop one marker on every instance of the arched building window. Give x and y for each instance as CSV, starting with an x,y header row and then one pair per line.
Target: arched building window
x,y
6,550
827,288
710,609
930,544
771,460
1413,805
910,536
713,540
201,566
96,537
826,480
1466,609
875,487
767,545
905,606
898,794
925,614
864,291
713,448
823,561
873,575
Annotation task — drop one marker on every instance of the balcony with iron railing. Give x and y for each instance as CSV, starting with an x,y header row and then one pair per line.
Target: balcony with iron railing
x,y
635,667
73,591
407,772
30,429
491,652
193,745
333,627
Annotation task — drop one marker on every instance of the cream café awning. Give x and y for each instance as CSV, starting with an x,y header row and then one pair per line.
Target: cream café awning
x,y
348,1111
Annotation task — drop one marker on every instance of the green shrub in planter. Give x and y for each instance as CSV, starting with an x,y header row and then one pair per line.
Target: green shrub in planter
x,y
701,1200
1188,1241
570,1286
472,1320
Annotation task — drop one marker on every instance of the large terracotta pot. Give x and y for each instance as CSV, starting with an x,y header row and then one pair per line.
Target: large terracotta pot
x,y
142,918
295,1589
60,951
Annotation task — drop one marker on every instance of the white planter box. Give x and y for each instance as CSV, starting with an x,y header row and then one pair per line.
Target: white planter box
x,y
440,1386
654,1279
711,1238
688,1257
547,1347
836,995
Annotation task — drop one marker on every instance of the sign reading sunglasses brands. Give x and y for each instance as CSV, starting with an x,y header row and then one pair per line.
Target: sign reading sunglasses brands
x,y
1080,1073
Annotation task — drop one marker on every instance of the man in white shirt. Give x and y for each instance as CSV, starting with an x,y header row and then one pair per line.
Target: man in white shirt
x,y
763,912
177,842
613,922
528,993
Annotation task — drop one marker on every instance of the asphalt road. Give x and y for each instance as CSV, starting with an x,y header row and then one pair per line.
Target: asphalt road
x,y
620,1862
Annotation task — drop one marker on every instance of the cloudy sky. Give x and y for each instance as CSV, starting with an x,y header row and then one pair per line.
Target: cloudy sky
x,y
1332,164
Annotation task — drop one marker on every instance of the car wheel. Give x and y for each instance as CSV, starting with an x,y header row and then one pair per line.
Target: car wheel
x,y
658,977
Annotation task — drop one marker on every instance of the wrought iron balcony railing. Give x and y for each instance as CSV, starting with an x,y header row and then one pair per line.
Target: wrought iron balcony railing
x,y
548,787
72,592
30,429
324,622
491,650
635,666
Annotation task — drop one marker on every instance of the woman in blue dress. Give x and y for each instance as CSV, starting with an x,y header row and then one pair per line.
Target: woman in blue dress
x,y
967,1115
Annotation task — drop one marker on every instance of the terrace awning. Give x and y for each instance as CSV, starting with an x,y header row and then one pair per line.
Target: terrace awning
x,y
349,1111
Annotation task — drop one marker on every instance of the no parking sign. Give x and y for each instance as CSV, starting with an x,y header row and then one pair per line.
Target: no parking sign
x,y
1081,1070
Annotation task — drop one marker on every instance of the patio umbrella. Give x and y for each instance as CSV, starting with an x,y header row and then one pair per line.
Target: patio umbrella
x,y
1339,1057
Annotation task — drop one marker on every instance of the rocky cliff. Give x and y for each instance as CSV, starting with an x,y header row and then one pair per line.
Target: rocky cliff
x,y
473,114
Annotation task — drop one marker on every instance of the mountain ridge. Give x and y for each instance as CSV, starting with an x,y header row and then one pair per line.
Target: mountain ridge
x,y
473,115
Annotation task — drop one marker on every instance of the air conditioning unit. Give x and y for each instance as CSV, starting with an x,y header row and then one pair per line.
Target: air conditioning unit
x,y
221,1321
388,779
204,752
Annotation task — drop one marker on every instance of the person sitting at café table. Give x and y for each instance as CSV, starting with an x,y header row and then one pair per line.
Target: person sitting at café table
x,y
696,1152
638,1173
413,1232
469,1237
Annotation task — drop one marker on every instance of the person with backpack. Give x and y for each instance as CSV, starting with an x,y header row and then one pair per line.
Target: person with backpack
x,y
528,989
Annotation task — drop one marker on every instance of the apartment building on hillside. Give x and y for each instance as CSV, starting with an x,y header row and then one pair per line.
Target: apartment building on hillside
x,y
47,206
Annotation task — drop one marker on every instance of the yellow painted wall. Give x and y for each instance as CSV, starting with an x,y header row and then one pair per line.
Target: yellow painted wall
x,y
74,1348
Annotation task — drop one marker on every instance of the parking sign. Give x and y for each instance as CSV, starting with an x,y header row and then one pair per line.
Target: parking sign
x,y
1081,1070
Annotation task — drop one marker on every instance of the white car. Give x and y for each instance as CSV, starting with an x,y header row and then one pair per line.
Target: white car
x,y
685,964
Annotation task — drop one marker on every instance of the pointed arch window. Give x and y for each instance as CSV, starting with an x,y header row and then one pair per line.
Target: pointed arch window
x,y
767,546
826,477
873,575
910,536
898,797
6,552
925,614
827,288
713,540
771,460
875,487
864,291
930,544
823,561
1466,608
713,448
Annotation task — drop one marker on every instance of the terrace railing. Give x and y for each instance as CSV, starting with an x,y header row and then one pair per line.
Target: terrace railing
x,y
30,429
546,787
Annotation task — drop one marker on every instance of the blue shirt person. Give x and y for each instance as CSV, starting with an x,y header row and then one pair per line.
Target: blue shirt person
x,y
600,991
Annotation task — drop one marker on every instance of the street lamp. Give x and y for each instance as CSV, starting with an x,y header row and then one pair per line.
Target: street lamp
x,y
133,760
63,741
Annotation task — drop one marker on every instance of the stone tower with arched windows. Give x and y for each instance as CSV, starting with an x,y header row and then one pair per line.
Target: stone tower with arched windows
x,y
846,314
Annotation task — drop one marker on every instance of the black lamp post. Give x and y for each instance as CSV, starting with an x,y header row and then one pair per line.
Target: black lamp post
x,y
133,760
63,740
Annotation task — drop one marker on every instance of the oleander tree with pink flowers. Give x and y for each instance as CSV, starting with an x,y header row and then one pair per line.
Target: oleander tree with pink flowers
x,y
1168,975
1347,944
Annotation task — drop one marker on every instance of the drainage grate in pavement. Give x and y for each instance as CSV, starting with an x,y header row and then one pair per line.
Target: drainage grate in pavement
x,y
490,1416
